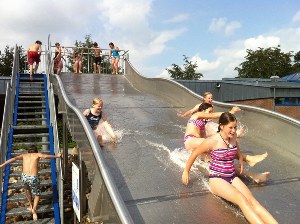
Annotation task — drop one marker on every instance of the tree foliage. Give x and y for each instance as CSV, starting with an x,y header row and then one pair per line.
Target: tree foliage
x,y
264,63
6,60
87,60
188,72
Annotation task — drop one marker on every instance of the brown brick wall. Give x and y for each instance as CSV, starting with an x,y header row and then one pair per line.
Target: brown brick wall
x,y
291,111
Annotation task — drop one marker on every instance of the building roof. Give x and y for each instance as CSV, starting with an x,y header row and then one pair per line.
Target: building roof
x,y
292,77
269,83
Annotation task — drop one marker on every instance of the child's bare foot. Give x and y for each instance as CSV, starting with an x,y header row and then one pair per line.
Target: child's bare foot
x,y
34,215
114,139
261,177
100,140
252,160
31,77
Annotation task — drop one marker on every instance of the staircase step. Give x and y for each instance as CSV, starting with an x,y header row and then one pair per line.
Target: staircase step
x,y
31,92
22,151
38,135
40,221
24,211
30,129
20,185
29,143
32,102
20,163
31,113
31,119
31,97
36,78
22,197
34,85
33,107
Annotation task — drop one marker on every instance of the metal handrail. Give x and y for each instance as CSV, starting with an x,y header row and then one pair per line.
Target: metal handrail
x,y
8,112
104,54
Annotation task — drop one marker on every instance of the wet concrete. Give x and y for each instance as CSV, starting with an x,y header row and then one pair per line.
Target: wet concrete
x,y
147,177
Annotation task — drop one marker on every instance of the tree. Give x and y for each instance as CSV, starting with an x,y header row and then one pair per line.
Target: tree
x,y
296,64
6,60
187,73
264,63
87,60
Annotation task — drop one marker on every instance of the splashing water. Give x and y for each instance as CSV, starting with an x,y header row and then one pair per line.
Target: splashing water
x,y
119,133
179,156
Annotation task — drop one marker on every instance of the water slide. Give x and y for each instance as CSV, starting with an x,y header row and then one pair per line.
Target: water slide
x,y
147,162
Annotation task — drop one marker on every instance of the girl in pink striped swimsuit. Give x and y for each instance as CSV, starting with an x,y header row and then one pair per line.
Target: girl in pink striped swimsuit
x,y
195,129
223,182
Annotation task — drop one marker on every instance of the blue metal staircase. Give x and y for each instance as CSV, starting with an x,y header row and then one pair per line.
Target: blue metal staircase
x,y
31,126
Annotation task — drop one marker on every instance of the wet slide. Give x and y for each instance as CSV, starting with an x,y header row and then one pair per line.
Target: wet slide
x,y
148,160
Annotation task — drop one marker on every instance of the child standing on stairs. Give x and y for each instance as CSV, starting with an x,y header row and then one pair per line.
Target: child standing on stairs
x,y
94,115
29,175
33,55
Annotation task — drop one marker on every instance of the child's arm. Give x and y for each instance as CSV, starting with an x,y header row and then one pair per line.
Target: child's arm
x,y
240,158
104,117
189,112
20,157
86,112
204,147
48,156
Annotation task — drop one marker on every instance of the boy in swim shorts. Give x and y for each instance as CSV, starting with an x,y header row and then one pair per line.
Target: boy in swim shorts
x,y
33,55
29,175
97,58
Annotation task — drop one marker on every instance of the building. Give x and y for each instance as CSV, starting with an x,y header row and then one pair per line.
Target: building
x,y
277,94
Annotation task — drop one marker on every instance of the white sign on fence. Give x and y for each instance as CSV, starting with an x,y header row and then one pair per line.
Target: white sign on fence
x,y
75,190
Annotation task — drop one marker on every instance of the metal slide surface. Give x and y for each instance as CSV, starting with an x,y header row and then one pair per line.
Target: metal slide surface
x,y
146,167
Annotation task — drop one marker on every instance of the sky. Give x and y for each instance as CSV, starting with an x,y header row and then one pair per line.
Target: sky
x,y
215,34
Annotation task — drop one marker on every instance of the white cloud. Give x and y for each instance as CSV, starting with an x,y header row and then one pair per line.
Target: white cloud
x,y
296,17
178,18
217,25
221,25
262,41
24,22
226,59
231,28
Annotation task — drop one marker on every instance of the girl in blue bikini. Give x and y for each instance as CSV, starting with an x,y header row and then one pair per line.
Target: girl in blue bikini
x,y
115,57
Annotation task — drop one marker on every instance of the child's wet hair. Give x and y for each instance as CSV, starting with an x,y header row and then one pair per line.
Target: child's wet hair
x,y
32,149
97,100
225,119
205,94
204,106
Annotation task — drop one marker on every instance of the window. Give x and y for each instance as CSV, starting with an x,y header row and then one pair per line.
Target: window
x,y
287,101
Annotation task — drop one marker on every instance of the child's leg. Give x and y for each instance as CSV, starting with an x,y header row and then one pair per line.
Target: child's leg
x,y
110,131
31,71
95,68
116,65
36,67
100,140
80,67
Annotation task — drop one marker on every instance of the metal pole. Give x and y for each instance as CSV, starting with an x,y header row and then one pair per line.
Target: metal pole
x,y
65,145
274,97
